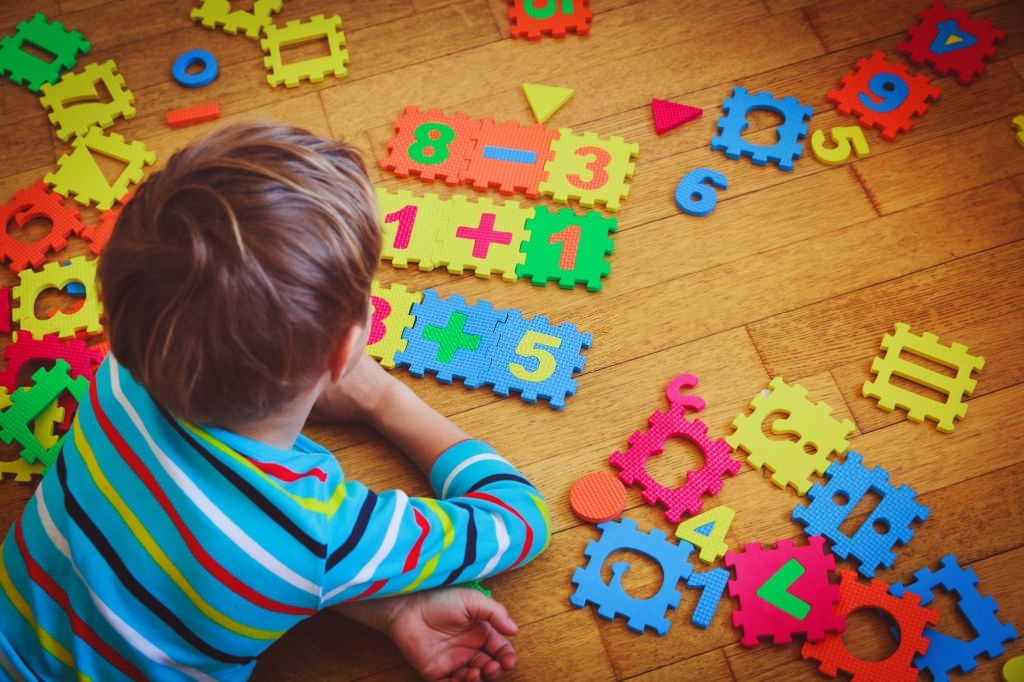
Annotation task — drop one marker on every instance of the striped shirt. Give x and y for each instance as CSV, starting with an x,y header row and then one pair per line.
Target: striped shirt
x,y
158,549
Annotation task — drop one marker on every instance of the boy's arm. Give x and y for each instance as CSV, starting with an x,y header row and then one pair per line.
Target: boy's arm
x,y
369,394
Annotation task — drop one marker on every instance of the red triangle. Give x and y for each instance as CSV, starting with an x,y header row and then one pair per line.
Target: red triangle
x,y
669,115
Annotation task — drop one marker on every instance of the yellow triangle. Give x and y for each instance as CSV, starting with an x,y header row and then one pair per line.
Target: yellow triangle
x,y
545,100
953,39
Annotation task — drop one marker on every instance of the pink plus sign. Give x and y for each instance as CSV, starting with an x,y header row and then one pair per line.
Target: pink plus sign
x,y
484,236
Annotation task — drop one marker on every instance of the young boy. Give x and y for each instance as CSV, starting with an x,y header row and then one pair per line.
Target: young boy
x,y
188,524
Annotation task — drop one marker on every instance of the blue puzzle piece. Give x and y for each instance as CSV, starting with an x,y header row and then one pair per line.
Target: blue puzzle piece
x,y
850,480
714,583
731,126
451,339
945,652
537,359
610,598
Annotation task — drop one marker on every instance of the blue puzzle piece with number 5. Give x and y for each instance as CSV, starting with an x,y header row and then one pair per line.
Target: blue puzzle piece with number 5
x,y
537,359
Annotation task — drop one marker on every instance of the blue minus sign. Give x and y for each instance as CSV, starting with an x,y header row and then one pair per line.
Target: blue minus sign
x,y
507,154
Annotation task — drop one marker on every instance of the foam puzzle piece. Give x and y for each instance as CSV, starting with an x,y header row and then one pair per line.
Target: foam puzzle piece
x,y
792,129
450,338
812,425
760,617
851,481
23,471
410,224
206,74
707,530
27,405
597,497
431,145
79,174
589,169
611,598
214,13
510,156
568,248
58,276
695,194
5,310
669,115
688,498
97,236
950,40
484,237
74,101
555,18
883,94
847,140
176,118
1018,123
391,317
946,652
44,425
545,100
537,359
713,583
314,70
920,407
24,67
24,348
36,202
910,616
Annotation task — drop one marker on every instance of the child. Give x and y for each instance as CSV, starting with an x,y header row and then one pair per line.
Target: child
x,y
188,524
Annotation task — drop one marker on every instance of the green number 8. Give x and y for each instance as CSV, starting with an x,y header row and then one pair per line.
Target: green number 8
x,y
432,140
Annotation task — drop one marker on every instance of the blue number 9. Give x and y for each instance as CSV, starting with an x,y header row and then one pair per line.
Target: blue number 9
x,y
887,87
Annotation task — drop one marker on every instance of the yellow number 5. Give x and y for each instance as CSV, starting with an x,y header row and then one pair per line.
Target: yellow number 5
x,y
530,347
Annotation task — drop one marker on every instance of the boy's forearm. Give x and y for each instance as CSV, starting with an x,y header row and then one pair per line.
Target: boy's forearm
x,y
414,427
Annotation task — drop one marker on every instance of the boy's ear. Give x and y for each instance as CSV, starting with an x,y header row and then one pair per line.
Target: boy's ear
x,y
351,342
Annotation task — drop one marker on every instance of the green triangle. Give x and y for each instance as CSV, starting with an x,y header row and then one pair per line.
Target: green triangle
x,y
545,100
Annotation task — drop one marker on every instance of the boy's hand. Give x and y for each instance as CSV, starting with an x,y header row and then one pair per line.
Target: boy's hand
x,y
448,634
356,396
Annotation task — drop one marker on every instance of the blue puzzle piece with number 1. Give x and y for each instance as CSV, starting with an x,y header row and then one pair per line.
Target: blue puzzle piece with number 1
x,y
537,359
451,338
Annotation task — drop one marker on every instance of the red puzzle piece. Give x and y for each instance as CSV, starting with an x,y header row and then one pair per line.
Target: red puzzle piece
x,y
510,157
431,145
764,612
99,235
556,17
82,360
882,94
951,41
28,204
911,619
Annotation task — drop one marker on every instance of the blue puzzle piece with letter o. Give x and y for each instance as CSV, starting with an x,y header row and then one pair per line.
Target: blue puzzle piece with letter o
x,y
451,338
731,126
537,359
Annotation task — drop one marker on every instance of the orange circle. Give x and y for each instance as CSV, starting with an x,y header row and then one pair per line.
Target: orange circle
x,y
598,497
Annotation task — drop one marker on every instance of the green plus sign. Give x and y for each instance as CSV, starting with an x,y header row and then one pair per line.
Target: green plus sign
x,y
776,592
451,338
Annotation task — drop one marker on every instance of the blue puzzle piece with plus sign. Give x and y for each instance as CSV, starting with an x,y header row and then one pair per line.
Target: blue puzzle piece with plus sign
x,y
452,339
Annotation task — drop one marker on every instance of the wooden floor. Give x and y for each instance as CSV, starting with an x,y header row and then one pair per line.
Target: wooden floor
x,y
797,275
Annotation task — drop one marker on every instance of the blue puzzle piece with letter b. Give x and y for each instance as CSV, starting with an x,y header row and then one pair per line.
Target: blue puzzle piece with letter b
x,y
851,481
